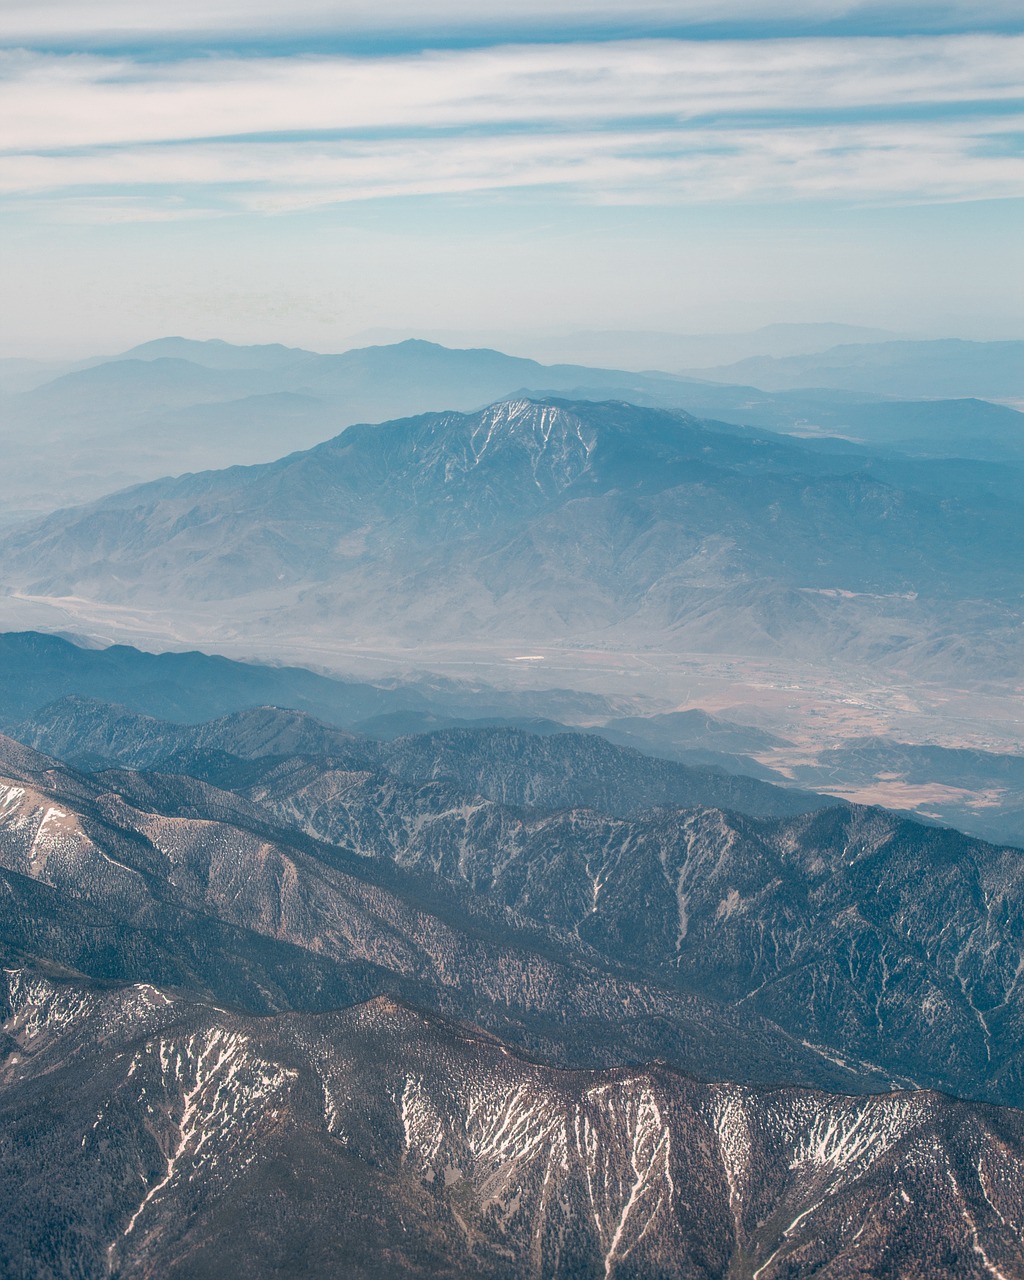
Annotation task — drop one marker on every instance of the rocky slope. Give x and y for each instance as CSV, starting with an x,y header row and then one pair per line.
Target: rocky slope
x,y
161,879
884,940
379,1142
847,936
551,771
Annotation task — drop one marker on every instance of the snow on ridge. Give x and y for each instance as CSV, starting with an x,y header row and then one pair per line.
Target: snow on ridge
x,y
38,1005
36,830
852,1137
519,1141
219,1092
557,443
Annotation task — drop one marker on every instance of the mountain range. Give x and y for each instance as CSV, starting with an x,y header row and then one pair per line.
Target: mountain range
x,y
481,1001
378,1142
552,521
835,926
942,367
175,405
646,348
168,879
37,669
55,694
504,763
417,976
981,792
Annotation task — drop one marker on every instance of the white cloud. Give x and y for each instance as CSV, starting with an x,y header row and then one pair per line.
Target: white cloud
x,y
28,20
645,121
80,100
917,162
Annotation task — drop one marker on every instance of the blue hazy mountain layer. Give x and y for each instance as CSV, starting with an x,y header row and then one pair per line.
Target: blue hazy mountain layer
x,y
551,520
36,669
177,405
942,367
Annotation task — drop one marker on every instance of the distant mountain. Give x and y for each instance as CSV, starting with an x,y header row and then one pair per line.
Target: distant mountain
x,y
383,1142
174,372
91,734
696,738
864,759
135,384
967,428
981,792
176,405
216,354
38,669
693,729
939,368
554,521
948,428
676,352
19,374
182,405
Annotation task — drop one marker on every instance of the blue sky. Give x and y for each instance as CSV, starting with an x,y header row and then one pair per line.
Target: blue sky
x,y
234,168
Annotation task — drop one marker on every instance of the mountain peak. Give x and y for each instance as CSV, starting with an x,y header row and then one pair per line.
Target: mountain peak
x,y
516,450
541,427
546,519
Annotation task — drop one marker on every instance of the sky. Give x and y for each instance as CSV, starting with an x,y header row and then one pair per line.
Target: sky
x,y
312,172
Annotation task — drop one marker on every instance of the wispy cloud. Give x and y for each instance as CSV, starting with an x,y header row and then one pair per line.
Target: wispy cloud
x,y
924,118
856,164
48,101
69,20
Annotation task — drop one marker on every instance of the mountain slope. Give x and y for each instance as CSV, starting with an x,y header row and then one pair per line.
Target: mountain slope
x,y
510,766
137,877
572,771
886,941
379,1142
893,946
556,522
177,405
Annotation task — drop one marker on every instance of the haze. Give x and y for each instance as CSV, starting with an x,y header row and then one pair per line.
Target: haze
x,y
236,173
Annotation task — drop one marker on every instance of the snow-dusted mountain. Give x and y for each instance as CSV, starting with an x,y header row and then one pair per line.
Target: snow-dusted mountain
x,y
168,879
379,1142
177,405
235,997
460,870
560,522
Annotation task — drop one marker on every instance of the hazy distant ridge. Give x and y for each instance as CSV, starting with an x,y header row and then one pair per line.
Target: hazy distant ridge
x,y
562,521
175,405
